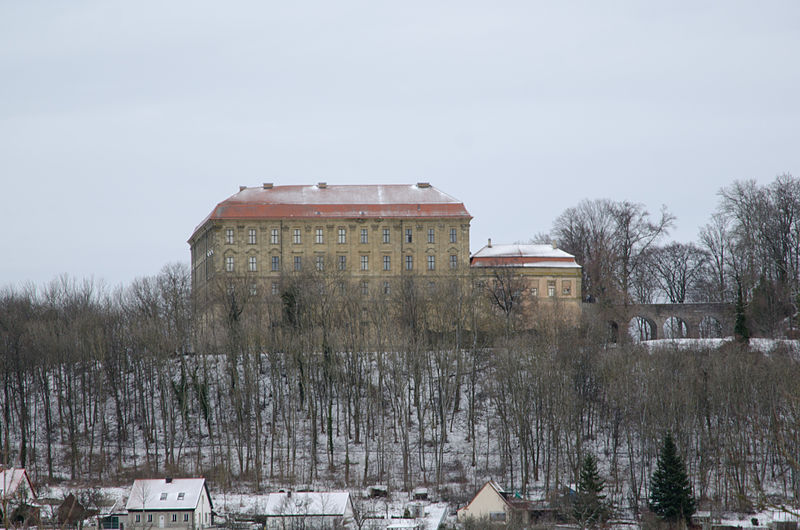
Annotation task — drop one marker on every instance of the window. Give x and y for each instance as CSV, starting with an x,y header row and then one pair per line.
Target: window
x,y
408,235
186,518
296,236
149,517
229,236
551,288
386,288
364,235
229,263
342,236
431,263
251,236
253,289
163,496
453,261
385,235
387,263
497,516
298,263
534,291
251,264
181,495
274,287
174,517
138,518
276,263
431,235
364,263
409,263
566,287
342,263
320,262
364,288
318,237
273,237
453,237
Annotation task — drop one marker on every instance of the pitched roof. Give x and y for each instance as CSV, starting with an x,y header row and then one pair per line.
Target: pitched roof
x,y
371,201
312,503
158,494
523,256
11,479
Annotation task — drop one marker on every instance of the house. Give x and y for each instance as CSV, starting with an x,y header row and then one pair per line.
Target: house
x,y
169,503
494,505
113,517
16,495
310,509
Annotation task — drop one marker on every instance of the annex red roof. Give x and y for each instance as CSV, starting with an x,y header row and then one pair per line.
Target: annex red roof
x,y
345,202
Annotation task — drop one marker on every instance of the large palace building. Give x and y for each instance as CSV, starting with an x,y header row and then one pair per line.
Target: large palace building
x,y
371,234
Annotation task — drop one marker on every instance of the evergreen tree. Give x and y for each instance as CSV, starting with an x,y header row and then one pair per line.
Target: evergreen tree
x,y
590,508
670,494
740,326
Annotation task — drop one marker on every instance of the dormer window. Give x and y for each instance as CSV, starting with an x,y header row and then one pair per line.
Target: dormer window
x,y
181,495
163,496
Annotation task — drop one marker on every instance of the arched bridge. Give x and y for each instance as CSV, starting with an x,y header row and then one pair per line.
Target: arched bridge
x,y
658,321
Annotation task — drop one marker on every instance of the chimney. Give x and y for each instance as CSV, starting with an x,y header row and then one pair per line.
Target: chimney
x,y
322,185
423,184
169,480
490,243
553,242
242,188
268,185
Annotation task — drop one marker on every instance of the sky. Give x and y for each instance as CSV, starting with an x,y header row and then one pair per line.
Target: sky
x,y
122,124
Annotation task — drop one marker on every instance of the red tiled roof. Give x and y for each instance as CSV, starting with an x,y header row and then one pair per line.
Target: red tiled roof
x,y
344,202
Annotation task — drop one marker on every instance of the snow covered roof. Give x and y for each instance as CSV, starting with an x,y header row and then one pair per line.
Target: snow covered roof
x,y
167,494
347,202
312,503
523,256
10,481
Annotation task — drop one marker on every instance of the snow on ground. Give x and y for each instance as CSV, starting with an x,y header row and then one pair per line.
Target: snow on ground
x,y
756,344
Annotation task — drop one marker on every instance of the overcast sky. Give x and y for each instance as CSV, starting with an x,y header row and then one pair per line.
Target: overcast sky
x,y
123,124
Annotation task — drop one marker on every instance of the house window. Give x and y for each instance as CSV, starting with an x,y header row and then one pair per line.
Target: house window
x,y
566,287
364,235
296,236
386,288
409,235
298,263
409,263
453,237
163,496
364,288
251,236
138,518
273,237
342,263
229,236
251,264
318,237
342,236
276,263
229,263
320,262
149,517
364,263
387,263
453,261
253,289
274,287
174,517
551,288
497,516
385,235
186,518
431,263
534,291
431,235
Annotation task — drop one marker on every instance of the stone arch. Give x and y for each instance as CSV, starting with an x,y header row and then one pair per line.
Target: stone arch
x,y
675,327
642,328
710,327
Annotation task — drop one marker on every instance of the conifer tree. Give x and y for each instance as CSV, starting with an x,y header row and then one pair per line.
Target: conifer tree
x,y
670,493
740,326
590,508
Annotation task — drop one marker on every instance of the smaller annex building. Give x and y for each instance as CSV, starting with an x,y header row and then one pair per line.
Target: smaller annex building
x,y
169,503
310,509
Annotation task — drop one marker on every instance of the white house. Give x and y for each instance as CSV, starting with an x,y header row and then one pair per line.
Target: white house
x,y
15,484
494,505
310,509
169,503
